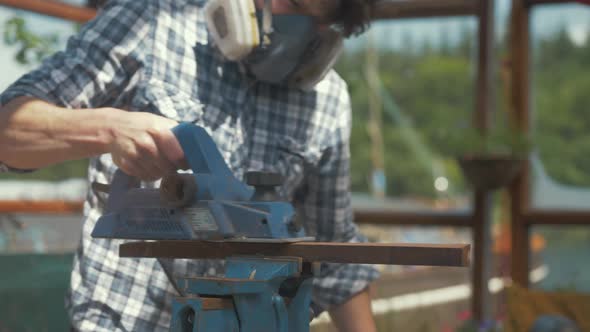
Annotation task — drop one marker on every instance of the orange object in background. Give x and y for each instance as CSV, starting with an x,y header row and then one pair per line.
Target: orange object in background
x,y
502,244
41,207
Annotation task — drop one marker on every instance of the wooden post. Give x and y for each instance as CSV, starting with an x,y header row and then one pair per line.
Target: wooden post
x,y
483,199
482,257
519,101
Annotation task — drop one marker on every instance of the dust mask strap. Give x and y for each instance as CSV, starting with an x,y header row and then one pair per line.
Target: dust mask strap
x,y
266,22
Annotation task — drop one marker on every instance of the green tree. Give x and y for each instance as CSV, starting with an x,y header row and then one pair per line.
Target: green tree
x,y
560,102
32,48
431,90
434,89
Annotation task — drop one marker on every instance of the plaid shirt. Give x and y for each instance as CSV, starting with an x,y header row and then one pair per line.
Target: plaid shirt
x,y
155,56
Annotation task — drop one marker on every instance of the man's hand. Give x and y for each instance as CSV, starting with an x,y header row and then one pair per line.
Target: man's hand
x,y
144,146
36,134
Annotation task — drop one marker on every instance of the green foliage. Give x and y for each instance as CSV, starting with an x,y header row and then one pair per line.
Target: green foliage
x,y
31,47
433,90
561,102
67,170
499,142
425,110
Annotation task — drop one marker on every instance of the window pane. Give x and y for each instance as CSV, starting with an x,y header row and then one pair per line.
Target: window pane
x,y
560,256
408,97
561,106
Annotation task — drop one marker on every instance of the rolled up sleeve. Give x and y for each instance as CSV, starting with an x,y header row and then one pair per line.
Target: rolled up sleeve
x,y
98,66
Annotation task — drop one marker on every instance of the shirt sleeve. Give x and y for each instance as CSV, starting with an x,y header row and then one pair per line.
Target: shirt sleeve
x,y
98,66
328,215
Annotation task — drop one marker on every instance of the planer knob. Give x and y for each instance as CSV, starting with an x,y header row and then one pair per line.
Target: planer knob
x,y
265,184
178,190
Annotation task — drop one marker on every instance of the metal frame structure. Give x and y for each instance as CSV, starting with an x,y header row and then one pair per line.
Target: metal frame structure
x,y
479,219
53,8
58,207
522,214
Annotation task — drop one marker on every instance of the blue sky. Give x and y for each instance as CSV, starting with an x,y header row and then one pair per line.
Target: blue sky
x,y
545,20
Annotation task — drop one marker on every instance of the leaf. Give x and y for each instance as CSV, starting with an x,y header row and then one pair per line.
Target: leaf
x,y
31,47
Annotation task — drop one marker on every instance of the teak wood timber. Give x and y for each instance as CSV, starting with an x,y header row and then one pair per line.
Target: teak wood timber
x,y
361,253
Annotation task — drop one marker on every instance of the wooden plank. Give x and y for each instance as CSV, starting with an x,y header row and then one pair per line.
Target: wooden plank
x,y
530,3
413,218
53,8
424,8
40,207
362,253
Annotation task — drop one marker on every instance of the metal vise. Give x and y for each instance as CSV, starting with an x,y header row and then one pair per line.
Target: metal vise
x,y
257,294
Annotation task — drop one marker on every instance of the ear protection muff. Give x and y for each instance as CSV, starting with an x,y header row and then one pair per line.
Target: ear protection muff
x,y
233,25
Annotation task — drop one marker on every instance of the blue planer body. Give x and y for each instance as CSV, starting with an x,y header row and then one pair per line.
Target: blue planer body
x,y
210,204
256,293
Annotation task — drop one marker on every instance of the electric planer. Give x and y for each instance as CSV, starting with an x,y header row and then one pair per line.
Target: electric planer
x,y
209,204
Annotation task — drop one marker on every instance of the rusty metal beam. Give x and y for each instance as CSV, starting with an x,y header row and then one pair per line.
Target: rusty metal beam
x,y
362,253
414,218
556,217
530,3
40,207
424,8
53,8
384,10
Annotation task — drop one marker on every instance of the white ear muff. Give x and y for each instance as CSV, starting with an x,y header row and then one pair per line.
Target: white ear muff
x,y
233,27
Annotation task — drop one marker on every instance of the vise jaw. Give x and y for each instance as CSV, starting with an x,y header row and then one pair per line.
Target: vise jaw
x,y
256,294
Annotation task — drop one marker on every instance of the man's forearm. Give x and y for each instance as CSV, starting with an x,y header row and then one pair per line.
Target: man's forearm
x,y
355,314
34,133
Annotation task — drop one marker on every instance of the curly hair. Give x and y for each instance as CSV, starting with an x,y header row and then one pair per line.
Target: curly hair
x,y
354,16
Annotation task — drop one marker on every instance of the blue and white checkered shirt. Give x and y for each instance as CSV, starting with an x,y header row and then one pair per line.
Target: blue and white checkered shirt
x,y
155,56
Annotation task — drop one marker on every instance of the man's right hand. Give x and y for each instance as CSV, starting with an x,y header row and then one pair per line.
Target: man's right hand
x,y
143,145
36,134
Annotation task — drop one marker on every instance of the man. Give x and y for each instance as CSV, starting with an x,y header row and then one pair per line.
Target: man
x,y
130,76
